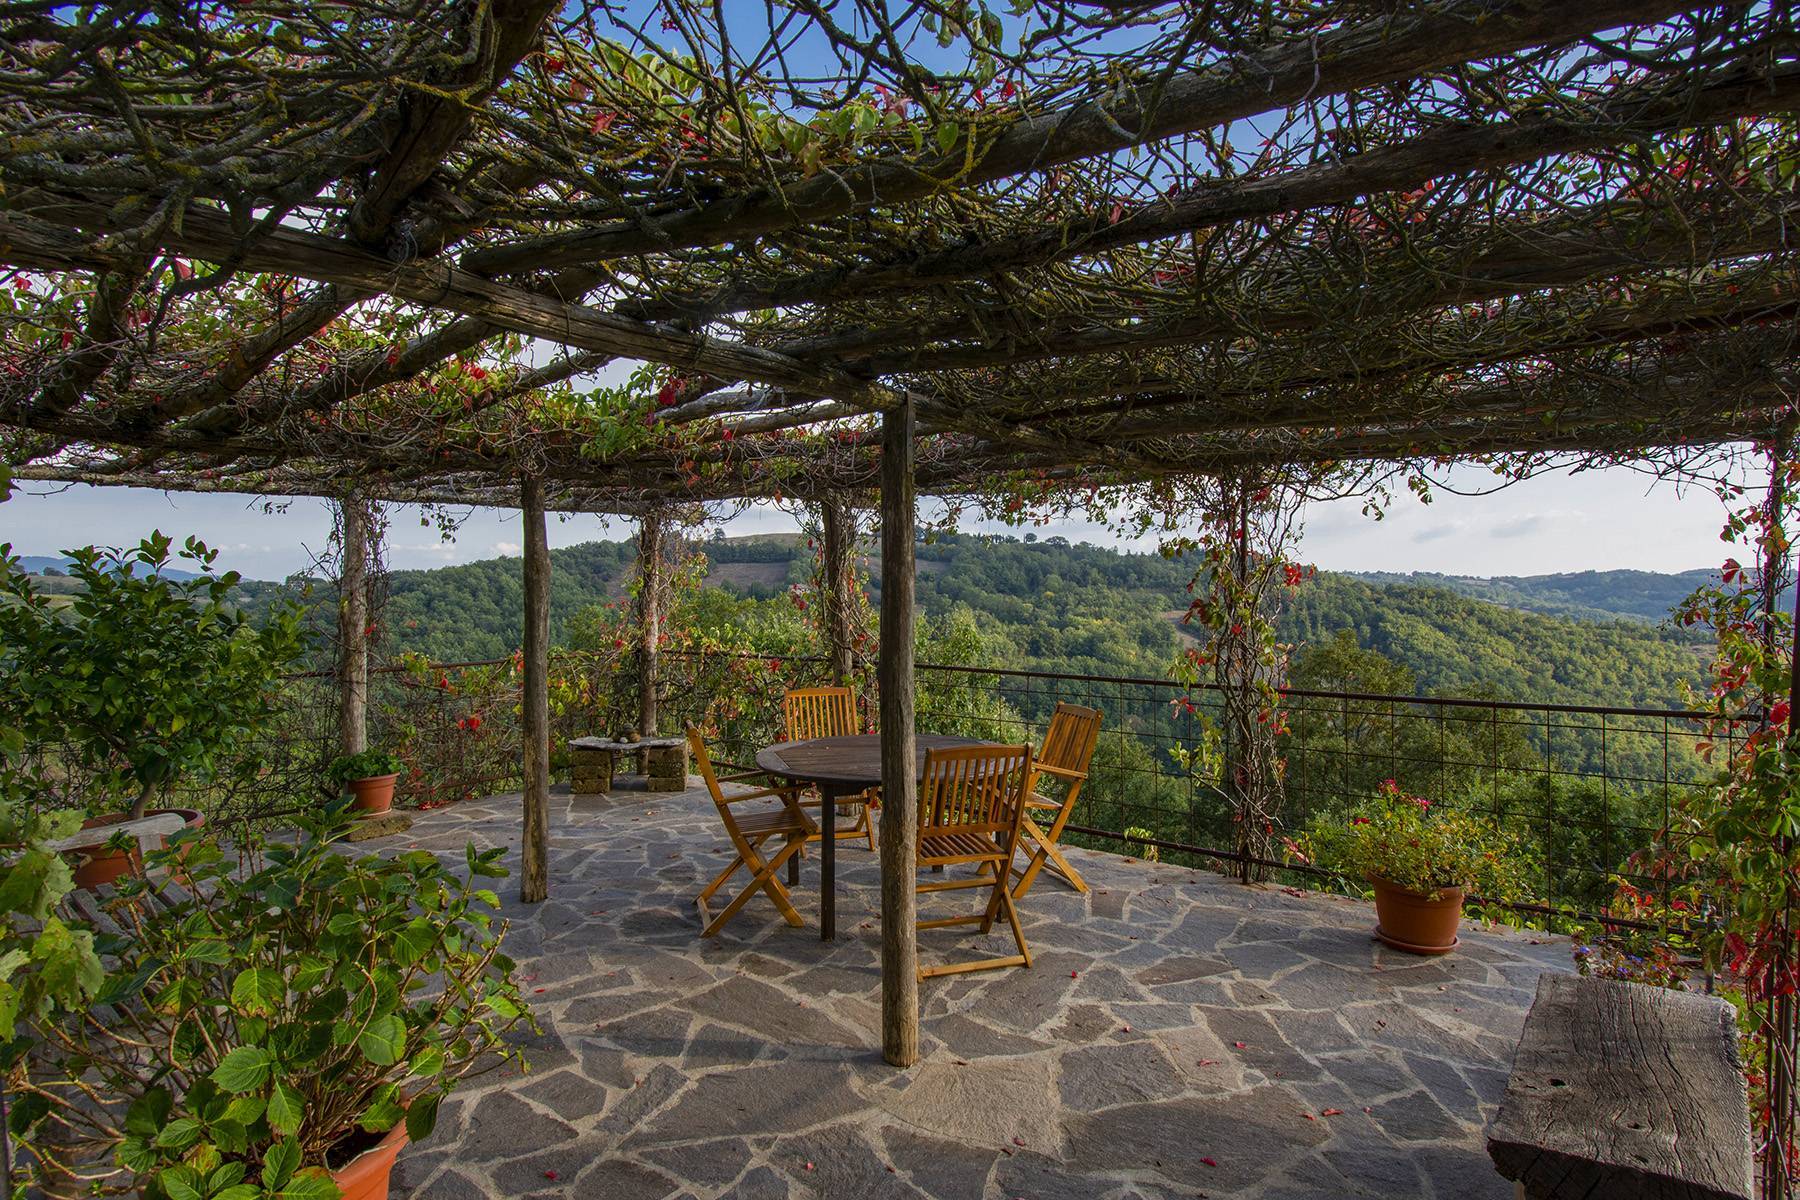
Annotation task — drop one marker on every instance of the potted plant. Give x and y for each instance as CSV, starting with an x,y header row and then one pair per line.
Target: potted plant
x,y
280,1034
141,681
1421,861
369,776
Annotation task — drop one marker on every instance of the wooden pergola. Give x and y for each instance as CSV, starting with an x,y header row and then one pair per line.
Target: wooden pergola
x,y
380,251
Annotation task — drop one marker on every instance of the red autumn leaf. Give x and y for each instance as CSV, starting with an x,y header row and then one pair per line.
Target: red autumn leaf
x,y
1209,1162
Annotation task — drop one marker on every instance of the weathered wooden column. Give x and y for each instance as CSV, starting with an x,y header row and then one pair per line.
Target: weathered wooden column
x,y
534,876
353,624
899,763
652,583
840,579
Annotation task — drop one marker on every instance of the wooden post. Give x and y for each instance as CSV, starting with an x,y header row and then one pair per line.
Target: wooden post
x,y
899,763
840,544
534,878
652,583
353,624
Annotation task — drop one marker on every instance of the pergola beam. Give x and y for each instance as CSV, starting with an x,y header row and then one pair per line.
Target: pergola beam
x,y
1631,115
1381,50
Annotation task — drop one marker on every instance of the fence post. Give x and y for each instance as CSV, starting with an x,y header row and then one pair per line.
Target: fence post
x,y
353,624
840,544
534,879
899,777
652,582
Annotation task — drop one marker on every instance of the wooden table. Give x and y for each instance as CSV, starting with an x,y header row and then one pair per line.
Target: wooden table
x,y
840,766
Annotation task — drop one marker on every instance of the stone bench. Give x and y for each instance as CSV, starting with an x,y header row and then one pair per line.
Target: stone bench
x,y
593,762
1619,1089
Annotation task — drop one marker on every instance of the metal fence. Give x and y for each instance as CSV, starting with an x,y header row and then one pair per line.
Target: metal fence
x,y
1584,786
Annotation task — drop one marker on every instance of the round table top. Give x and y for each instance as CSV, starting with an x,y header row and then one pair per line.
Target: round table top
x,y
849,761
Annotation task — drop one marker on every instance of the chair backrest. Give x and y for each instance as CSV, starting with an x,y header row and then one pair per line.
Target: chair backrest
x,y
1070,740
974,789
703,764
817,712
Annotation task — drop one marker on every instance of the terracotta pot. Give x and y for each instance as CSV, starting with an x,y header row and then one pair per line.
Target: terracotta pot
x,y
365,1177
374,795
1415,923
102,865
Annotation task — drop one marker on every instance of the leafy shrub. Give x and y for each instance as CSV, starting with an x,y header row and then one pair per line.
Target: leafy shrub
x,y
300,1001
1403,840
142,679
368,764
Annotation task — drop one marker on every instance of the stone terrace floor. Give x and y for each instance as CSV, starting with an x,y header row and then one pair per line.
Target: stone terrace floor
x,y
1179,1035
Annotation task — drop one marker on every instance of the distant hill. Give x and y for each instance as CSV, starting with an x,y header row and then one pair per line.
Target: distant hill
x,y
38,564
1591,637
1585,595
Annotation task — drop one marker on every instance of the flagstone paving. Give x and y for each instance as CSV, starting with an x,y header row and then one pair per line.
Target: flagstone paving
x,y
1179,1035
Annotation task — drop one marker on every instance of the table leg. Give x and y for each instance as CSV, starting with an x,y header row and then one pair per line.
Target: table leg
x,y
828,798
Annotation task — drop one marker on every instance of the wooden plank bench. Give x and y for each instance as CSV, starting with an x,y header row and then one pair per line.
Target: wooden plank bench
x,y
1619,1089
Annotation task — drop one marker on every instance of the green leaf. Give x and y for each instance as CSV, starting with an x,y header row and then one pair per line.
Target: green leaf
x,y
280,1163
179,1134
242,1069
286,1108
310,1184
258,991
181,1183
421,1115
383,1040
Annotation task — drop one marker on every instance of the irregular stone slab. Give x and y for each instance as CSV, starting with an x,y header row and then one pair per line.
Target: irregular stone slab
x,y
987,1102
1249,1137
502,1126
567,1093
1096,1077
778,1017
836,1161
712,1163
937,1166
752,1100
646,1096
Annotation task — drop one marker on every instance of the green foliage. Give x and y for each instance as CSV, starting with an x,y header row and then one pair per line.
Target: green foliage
x,y
368,764
297,995
1407,842
143,678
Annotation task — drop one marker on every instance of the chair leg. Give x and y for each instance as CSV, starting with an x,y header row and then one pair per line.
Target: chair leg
x,y
1012,918
1047,854
762,879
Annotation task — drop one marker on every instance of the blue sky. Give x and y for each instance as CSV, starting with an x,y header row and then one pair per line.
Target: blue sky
x,y
1595,521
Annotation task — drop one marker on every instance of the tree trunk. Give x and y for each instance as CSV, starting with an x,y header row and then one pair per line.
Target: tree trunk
x,y
899,763
534,883
353,624
652,583
840,545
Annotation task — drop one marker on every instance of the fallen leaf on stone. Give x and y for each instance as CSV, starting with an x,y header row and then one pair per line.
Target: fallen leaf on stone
x,y
1334,1112
1209,1162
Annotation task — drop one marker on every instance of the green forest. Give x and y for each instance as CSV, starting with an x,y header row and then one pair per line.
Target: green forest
x,y
1051,605
1586,788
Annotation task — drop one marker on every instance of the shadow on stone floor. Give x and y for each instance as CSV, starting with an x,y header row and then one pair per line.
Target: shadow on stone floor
x,y
1178,1035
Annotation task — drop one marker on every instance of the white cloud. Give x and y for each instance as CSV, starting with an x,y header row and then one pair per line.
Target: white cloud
x,y
507,549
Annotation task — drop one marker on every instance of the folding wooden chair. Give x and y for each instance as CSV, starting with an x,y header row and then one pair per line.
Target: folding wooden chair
x,y
817,712
1067,754
971,807
748,834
